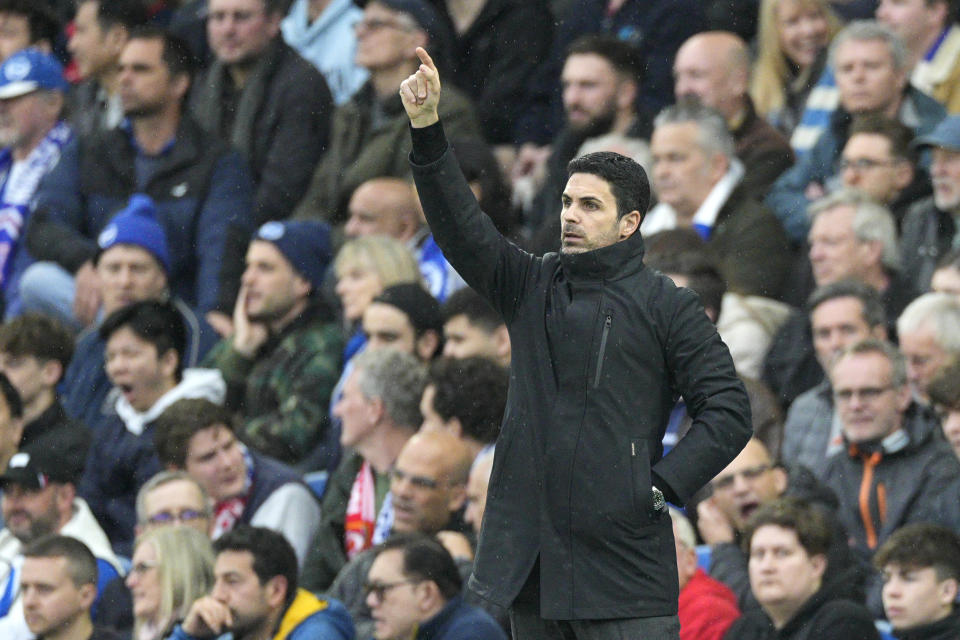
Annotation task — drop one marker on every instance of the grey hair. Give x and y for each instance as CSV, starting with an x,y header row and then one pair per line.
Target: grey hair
x,y
162,478
713,136
871,222
939,312
898,364
685,533
865,30
397,379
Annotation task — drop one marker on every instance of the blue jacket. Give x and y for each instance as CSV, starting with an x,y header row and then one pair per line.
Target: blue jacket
x,y
202,190
787,198
461,621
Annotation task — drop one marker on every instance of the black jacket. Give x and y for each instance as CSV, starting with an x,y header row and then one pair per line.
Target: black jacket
x,y
946,629
927,236
602,346
827,615
54,430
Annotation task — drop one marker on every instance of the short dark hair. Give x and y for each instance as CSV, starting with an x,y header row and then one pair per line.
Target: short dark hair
x,y
703,275
626,59
922,545
174,428
37,335
899,135
627,179
12,396
81,564
874,313
176,54
807,521
424,558
126,13
469,303
159,323
473,390
42,22
272,554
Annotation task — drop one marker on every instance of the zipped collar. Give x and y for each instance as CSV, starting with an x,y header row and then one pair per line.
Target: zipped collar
x,y
612,262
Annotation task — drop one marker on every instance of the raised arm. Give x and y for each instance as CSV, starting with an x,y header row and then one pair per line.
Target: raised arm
x,y
420,92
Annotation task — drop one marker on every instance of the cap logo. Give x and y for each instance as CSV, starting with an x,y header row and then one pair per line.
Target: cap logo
x,y
20,459
107,236
17,69
271,231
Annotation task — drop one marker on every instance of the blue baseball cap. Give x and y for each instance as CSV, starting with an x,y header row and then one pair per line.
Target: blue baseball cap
x,y
27,71
945,135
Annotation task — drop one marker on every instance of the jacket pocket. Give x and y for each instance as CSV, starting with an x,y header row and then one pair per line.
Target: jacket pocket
x,y
642,485
604,336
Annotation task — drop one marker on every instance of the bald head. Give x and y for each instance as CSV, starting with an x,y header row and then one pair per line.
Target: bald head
x,y
383,206
714,68
429,481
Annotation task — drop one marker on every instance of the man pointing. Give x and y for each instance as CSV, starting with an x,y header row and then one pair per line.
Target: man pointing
x,y
576,540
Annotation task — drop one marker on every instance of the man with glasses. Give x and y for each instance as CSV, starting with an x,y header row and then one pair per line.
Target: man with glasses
x,y
255,595
889,474
752,480
413,589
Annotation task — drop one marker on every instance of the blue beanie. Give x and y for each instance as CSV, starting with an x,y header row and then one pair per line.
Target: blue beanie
x,y
137,224
304,243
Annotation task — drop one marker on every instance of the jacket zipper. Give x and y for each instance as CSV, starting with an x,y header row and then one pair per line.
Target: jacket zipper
x,y
603,347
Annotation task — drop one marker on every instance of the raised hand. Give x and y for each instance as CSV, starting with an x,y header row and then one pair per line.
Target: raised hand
x,y
420,92
247,336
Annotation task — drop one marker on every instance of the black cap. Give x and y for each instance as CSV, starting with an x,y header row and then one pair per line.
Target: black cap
x,y
37,469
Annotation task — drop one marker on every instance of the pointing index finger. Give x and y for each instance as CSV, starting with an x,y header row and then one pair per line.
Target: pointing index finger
x,y
425,58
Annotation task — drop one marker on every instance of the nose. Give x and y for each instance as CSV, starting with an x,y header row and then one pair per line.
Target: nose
x,y
740,484
131,580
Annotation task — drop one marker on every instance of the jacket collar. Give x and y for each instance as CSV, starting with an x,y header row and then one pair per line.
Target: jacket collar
x,y
435,625
945,629
608,263
52,417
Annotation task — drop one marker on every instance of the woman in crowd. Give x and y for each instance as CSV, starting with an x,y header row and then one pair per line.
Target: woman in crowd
x,y
172,567
792,39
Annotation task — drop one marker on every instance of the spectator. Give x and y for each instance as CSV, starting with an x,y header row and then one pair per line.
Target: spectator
x,y
465,397
264,100
58,583
27,24
933,45
200,188
11,421
369,136
132,264
405,317
792,45
39,498
930,229
700,185
871,72
713,68
413,589
427,494
143,355
389,206
921,573
471,327
486,63
32,136
34,351
170,569
707,607
788,542
748,483
379,410
322,31
101,29
197,436
255,593
282,361
841,314
944,392
599,83
946,277
929,340
477,485
889,475
879,161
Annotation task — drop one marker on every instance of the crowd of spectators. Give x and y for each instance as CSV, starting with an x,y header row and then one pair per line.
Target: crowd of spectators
x,y
242,390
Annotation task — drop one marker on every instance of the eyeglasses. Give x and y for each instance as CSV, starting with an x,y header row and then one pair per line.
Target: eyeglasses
x,y
867,394
142,567
373,24
864,164
421,482
751,473
379,589
183,516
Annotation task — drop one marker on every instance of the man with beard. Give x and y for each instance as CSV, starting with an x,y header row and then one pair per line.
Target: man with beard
x,y
600,80
282,362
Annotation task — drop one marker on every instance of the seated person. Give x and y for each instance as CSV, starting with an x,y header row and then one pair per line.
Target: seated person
x,y
407,318
246,487
944,392
787,542
921,573
471,327
144,349
946,275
